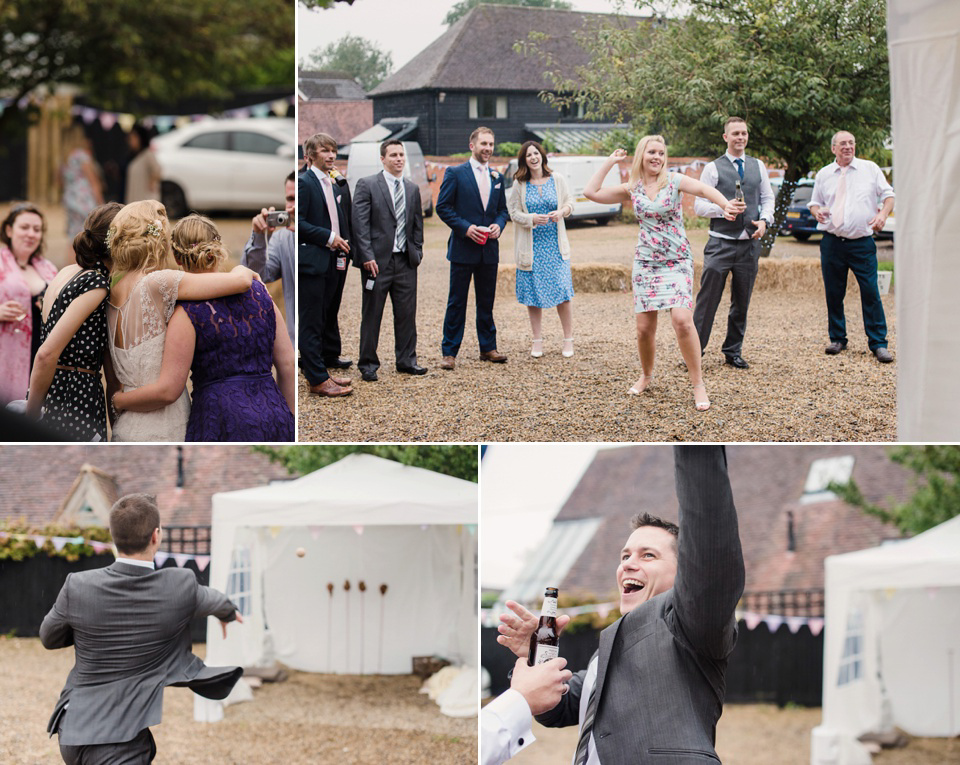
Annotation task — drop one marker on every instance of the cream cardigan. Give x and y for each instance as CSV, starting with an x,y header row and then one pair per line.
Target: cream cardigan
x,y
523,233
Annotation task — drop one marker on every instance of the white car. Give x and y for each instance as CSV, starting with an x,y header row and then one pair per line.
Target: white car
x,y
577,170
234,164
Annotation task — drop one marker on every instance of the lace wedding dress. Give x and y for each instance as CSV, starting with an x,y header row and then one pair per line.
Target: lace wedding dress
x,y
138,329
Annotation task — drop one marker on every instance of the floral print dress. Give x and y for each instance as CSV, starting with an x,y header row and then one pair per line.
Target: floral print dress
x,y
662,260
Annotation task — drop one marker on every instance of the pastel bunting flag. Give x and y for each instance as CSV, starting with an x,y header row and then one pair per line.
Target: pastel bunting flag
x,y
39,540
202,562
358,529
160,558
794,623
816,625
181,559
108,120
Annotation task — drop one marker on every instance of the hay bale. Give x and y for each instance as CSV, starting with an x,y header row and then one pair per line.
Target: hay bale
x,y
793,274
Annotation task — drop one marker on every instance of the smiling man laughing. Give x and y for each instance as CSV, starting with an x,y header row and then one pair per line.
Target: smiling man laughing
x,y
653,691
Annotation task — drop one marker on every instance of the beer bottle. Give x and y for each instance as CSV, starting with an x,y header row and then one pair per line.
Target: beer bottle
x,y
545,642
739,195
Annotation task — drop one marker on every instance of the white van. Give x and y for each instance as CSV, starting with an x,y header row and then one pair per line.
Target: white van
x,y
577,171
364,160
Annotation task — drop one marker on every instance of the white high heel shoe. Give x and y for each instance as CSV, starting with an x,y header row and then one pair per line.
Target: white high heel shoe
x,y
567,349
639,386
537,350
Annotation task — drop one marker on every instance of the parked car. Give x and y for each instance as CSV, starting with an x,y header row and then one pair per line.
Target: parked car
x,y
364,160
577,171
233,164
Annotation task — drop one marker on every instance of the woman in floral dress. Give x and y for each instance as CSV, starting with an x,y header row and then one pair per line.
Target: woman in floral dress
x,y
663,260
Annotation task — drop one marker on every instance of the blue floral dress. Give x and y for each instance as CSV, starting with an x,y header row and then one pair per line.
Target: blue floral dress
x,y
550,282
662,260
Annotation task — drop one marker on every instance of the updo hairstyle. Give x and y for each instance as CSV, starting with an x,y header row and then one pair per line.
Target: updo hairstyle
x,y
90,245
197,246
140,237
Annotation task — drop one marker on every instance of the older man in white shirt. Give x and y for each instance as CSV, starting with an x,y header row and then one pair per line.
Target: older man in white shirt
x,y
844,202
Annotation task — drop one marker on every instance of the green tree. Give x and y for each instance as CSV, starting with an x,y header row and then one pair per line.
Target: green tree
x,y
320,4
460,9
796,70
360,58
457,461
124,53
936,496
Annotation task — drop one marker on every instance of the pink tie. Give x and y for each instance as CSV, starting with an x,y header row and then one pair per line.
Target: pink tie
x,y
484,184
836,212
331,204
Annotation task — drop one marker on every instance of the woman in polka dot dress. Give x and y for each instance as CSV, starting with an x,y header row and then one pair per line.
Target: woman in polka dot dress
x,y
663,261
66,372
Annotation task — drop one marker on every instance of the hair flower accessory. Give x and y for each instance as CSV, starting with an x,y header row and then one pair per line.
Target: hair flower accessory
x,y
111,232
155,229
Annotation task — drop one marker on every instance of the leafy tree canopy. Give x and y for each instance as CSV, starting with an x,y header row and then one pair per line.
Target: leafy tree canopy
x,y
457,461
124,53
319,4
796,70
360,58
936,496
460,9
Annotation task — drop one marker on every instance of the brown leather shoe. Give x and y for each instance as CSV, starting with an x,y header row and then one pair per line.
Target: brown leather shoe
x,y
329,388
344,382
494,356
448,362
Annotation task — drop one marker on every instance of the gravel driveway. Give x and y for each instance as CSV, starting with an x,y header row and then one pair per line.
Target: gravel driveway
x,y
792,392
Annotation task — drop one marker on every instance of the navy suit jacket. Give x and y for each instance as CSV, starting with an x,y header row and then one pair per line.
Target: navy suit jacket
x,y
313,223
459,206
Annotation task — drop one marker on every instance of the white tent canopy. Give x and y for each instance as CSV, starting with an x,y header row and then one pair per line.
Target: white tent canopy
x,y
364,524
924,39
891,644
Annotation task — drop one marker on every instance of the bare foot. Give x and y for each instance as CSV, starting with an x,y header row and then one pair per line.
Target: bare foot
x,y
640,385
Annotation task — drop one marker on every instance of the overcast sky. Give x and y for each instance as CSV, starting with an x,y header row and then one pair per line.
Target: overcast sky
x,y
400,28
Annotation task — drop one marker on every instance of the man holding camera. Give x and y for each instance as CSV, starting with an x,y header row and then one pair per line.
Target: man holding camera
x,y
276,258
388,230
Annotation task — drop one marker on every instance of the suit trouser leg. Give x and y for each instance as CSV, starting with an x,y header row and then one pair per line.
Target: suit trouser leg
x,y
310,305
456,314
744,276
403,296
332,346
863,263
139,751
371,317
833,266
717,261
485,290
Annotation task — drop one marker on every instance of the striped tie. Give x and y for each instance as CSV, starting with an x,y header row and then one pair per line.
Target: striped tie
x,y
583,745
399,206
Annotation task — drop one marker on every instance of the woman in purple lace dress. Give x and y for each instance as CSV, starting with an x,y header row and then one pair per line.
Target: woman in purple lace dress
x,y
229,344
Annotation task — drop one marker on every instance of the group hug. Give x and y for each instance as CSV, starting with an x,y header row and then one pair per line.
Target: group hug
x,y
114,337
381,231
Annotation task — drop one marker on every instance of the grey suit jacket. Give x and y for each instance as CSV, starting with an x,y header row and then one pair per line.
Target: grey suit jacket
x,y
276,260
130,628
375,221
660,676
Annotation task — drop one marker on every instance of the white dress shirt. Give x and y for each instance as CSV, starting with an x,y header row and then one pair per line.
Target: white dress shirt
x,y
324,178
481,174
135,562
505,728
392,182
866,189
707,209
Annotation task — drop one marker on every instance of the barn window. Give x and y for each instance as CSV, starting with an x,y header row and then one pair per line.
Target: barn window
x,y
488,107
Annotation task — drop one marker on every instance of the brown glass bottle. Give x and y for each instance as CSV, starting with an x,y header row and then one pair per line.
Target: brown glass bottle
x,y
739,193
545,642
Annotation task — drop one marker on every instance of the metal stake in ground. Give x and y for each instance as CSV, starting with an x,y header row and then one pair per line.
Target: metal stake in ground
x,y
383,593
363,588
346,589
330,627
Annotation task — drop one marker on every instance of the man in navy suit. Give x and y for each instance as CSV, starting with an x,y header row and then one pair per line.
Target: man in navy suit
x,y
473,204
323,234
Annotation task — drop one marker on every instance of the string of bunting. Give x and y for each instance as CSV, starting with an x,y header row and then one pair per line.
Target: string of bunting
x,y
162,122
201,561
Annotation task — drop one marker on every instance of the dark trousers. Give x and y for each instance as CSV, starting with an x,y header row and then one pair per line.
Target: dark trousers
x,y
837,257
139,751
739,257
398,279
311,291
331,326
484,277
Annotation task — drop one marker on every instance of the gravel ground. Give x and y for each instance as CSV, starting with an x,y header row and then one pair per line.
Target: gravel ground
x,y
310,718
754,734
792,392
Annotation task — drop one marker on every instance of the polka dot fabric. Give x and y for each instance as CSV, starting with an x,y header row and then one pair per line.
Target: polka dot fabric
x,y
550,282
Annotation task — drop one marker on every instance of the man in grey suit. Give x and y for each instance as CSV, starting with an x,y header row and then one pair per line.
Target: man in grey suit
x,y
130,628
653,692
388,247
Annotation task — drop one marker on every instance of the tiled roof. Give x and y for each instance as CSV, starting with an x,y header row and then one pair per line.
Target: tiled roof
x,y
767,482
476,53
342,120
35,480
329,85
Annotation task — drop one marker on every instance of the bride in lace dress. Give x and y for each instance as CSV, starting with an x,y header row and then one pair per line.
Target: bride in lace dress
x,y
141,303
